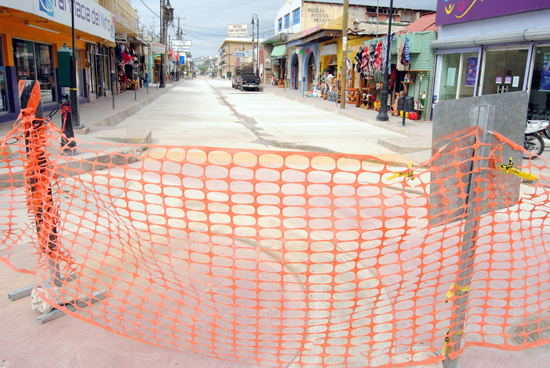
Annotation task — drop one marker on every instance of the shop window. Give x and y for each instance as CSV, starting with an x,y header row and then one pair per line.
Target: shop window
x,y
449,77
34,61
459,76
3,85
504,71
539,96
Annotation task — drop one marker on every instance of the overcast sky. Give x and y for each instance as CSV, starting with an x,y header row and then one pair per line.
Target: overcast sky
x,y
205,22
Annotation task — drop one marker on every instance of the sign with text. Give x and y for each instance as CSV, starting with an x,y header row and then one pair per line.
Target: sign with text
x,y
181,48
182,43
90,17
458,11
237,30
158,48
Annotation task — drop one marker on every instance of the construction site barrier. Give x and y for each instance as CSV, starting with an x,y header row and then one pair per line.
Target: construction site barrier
x,y
278,258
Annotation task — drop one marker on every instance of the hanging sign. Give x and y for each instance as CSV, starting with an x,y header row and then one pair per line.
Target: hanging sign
x,y
471,71
545,76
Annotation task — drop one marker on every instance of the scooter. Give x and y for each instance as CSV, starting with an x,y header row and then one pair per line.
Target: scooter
x,y
533,137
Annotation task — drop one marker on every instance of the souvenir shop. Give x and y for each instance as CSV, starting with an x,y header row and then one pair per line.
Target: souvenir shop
x,y
128,67
409,74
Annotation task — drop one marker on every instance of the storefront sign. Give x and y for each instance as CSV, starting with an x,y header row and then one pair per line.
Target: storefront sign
x,y
181,49
471,72
182,43
158,48
458,11
89,17
328,49
237,30
121,37
545,77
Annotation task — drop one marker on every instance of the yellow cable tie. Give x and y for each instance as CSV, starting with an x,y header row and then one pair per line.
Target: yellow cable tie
x,y
448,340
510,169
406,174
453,289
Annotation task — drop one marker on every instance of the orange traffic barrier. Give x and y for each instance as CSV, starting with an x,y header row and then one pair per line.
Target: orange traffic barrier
x,y
272,258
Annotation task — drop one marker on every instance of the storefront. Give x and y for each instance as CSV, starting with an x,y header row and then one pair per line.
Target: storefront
x,y
3,81
29,41
495,49
278,55
98,69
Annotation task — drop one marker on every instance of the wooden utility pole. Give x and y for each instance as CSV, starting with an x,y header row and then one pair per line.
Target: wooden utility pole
x,y
344,56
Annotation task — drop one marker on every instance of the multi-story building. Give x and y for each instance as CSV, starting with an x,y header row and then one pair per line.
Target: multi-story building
x,y
233,53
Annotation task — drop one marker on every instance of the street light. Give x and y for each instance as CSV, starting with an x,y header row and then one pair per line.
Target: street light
x,y
383,109
167,14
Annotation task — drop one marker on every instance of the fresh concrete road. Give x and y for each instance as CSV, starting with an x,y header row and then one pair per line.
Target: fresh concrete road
x,y
206,112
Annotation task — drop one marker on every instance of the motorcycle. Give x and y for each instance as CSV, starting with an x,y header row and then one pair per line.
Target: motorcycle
x,y
533,137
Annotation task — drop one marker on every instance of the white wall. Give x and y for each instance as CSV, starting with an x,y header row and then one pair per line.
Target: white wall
x,y
288,8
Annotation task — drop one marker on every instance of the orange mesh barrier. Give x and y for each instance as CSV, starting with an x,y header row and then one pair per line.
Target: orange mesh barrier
x,y
272,258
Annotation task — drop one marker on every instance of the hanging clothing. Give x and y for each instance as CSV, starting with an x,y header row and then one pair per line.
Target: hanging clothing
x,y
378,58
401,62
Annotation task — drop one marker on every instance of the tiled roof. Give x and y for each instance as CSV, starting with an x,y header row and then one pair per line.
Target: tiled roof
x,y
423,24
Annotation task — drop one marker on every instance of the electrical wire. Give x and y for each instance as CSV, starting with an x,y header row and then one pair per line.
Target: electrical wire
x,y
228,7
143,2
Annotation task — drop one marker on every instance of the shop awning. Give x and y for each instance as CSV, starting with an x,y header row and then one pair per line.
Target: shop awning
x,y
279,51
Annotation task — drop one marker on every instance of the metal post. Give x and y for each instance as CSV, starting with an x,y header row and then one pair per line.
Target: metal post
x,y
486,122
113,76
147,81
40,205
383,110
163,36
136,83
67,126
74,71
343,78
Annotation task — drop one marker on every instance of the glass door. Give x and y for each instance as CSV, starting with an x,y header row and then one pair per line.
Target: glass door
x,y
539,94
3,90
504,70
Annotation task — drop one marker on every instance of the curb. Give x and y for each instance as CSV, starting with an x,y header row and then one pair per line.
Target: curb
x,y
130,110
345,112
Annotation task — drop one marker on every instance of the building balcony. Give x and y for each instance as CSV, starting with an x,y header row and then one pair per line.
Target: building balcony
x,y
125,16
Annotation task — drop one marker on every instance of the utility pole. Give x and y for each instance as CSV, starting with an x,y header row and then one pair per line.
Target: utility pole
x,y
343,79
162,36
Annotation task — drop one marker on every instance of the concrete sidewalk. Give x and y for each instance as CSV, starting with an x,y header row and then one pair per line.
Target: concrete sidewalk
x,y
99,114
417,149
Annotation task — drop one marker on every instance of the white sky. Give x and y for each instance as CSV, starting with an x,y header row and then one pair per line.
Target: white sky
x,y
205,22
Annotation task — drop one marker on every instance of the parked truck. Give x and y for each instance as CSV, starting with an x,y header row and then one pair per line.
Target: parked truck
x,y
245,78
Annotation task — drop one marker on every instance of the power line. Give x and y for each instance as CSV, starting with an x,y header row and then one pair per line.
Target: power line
x,y
228,7
143,2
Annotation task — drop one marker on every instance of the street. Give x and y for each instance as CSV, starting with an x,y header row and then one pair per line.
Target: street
x,y
208,112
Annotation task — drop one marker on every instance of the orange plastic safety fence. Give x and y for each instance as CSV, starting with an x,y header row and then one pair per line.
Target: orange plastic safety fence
x,y
287,258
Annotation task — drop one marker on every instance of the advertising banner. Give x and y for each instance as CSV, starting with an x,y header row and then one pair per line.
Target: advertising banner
x,y
89,17
545,77
471,71
458,11
158,48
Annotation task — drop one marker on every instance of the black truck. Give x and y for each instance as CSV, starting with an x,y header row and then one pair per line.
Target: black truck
x,y
247,79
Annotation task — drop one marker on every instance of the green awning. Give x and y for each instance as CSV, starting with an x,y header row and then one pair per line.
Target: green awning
x,y
279,51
